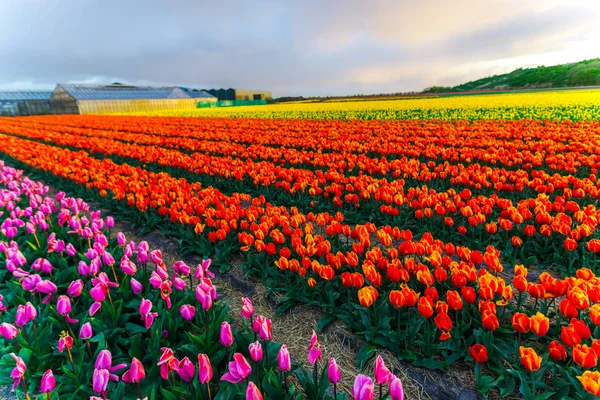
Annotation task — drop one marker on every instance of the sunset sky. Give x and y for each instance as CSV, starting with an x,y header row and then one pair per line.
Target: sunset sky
x,y
303,47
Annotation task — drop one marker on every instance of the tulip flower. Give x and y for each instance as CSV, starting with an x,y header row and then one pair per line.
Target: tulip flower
x,y
75,288
146,315
135,373
529,358
63,305
363,388
264,332
382,374
247,308
590,380
181,268
136,287
167,362
226,335
479,353
18,373
187,311
314,350
25,314
238,369
395,387
205,371
283,359
48,382
100,379
256,352
86,333
252,392
9,331
186,369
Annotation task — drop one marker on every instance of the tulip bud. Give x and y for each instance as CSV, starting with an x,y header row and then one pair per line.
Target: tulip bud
x,y
187,311
255,351
205,371
283,359
395,387
48,382
226,336
333,371
136,287
252,392
86,331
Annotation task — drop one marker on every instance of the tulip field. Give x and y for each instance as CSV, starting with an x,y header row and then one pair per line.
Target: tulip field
x,y
441,232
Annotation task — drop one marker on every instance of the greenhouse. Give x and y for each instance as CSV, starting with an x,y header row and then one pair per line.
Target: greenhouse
x,y
118,98
13,103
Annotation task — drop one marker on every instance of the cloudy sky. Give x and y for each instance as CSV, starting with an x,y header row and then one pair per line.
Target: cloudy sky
x,y
292,47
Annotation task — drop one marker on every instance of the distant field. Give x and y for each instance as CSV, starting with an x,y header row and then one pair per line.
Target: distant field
x,y
559,105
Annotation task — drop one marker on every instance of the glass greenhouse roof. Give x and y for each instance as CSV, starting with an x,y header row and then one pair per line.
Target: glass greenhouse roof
x,y
14,95
126,92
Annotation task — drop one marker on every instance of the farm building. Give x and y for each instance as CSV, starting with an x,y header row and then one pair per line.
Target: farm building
x,y
239,94
69,98
13,103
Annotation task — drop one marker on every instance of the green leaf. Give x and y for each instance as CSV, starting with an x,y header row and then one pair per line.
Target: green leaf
x,y
366,352
167,395
325,321
134,328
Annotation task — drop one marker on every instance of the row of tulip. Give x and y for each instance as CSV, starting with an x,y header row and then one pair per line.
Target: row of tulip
x,y
524,143
556,105
444,288
531,225
60,275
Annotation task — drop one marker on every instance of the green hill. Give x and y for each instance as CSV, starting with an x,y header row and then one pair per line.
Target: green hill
x,y
583,73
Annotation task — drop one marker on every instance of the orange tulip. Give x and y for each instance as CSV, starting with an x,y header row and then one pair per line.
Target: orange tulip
x,y
520,322
584,356
425,307
590,380
453,299
539,324
367,296
490,320
529,358
594,314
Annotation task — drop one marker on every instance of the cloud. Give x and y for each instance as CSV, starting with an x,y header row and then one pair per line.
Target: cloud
x,y
303,47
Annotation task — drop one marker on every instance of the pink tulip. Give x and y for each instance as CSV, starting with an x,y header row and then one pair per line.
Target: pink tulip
x,y
205,371
100,379
71,251
333,371
18,373
104,360
265,330
46,287
48,382
9,331
202,270
314,350
283,359
146,315
136,287
98,293
94,308
396,390
75,288
110,222
181,268
121,239
203,297
3,308
167,362
256,352
179,283
363,388
82,268
43,265
252,392
63,305
156,257
186,369
226,336
382,374
257,323
127,266
187,312
25,313
30,283
135,373
155,280
108,259
239,369
247,308
86,333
